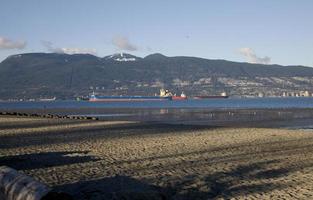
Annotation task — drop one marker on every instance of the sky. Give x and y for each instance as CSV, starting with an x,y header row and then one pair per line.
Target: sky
x,y
255,31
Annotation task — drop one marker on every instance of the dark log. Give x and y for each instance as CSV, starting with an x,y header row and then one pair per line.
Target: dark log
x,y
18,186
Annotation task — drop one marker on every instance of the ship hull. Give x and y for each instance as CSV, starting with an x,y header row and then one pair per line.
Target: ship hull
x,y
126,98
210,97
178,98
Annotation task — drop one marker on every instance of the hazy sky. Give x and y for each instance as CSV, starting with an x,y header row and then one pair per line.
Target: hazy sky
x,y
262,31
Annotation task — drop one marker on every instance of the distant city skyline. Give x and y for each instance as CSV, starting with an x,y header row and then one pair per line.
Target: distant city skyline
x,y
269,32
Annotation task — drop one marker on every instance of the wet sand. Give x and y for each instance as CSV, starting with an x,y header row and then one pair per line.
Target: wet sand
x,y
221,117
127,160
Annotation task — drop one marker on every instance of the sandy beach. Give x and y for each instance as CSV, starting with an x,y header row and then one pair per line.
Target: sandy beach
x,y
132,160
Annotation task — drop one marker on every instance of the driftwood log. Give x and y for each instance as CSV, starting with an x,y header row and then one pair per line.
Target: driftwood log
x,y
18,186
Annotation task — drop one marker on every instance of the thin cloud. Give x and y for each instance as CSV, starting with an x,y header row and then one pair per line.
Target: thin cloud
x,y
251,57
122,43
148,48
6,43
66,50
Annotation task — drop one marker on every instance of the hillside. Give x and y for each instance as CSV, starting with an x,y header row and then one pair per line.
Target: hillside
x,y
36,75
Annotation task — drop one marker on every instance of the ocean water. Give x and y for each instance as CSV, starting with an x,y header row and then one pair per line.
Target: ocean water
x,y
234,103
252,112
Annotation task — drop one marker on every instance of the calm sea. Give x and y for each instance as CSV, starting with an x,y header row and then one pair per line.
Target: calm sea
x,y
257,112
300,102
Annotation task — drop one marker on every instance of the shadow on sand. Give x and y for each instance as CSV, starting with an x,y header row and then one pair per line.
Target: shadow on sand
x,y
217,185
43,160
118,187
96,131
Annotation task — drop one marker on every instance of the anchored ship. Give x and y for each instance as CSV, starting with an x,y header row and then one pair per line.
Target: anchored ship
x,y
165,95
181,97
48,99
223,95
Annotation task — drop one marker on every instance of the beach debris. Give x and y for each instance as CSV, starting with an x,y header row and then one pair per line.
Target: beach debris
x,y
53,116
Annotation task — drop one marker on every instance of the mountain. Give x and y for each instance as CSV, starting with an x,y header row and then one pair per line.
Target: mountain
x,y
45,75
156,57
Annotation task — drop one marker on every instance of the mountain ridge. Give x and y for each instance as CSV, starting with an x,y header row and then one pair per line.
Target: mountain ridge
x,y
34,75
156,55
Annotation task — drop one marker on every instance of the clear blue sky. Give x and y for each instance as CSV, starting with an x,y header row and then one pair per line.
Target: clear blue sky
x,y
279,29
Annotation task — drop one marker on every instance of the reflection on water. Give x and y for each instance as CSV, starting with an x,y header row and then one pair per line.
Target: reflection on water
x,y
263,112
163,111
301,102
102,115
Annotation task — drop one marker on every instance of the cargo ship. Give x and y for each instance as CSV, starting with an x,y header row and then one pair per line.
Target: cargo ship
x,y
223,95
96,98
181,97
47,99
165,95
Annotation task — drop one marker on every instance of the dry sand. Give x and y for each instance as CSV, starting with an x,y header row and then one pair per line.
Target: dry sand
x,y
127,160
